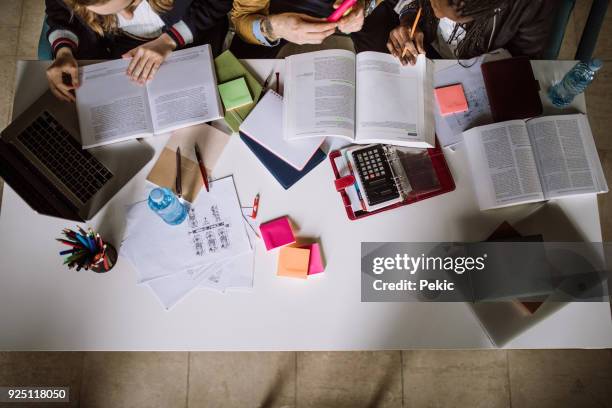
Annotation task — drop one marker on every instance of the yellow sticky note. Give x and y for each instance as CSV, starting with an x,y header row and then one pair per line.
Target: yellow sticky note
x,y
293,262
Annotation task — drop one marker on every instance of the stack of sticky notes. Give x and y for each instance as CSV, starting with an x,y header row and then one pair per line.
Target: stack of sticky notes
x,y
294,260
451,99
235,94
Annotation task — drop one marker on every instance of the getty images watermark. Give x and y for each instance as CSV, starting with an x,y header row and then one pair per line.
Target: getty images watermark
x,y
486,271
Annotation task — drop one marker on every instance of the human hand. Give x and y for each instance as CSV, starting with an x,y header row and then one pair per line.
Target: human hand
x,y
147,58
401,46
300,28
353,21
63,75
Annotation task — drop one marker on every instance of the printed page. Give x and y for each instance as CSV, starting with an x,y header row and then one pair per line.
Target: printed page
x,y
566,155
393,101
503,165
320,95
184,91
111,108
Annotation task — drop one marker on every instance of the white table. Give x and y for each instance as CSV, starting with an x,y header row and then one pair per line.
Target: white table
x,y
43,306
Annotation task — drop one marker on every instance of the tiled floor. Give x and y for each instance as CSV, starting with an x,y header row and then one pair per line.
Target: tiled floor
x,y
429,379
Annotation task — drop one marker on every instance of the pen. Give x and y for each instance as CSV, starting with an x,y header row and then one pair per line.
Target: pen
x,y
278,83
267,81
202,167
179,190
414,26
255,206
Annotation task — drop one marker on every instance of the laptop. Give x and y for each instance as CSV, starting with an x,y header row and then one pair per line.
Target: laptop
x,y
42,159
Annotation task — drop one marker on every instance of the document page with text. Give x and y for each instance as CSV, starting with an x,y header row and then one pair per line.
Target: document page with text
x,y
111,107
319,95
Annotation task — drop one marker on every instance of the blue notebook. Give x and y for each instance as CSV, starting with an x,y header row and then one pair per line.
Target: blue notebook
x,y
284,173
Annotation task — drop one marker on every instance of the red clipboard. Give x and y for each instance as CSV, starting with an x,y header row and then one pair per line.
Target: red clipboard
x,y
445,179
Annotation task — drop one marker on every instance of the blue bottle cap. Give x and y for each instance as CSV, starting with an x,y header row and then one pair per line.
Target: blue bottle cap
x,y
157,195
595,64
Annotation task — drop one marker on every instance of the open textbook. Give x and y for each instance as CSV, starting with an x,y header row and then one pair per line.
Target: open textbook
x,y
365,98
112,108
518,161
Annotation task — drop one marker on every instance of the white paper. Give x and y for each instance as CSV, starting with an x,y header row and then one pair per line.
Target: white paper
x,y
449,128
214,231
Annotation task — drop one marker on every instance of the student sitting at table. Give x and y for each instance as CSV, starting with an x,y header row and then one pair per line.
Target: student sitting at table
x,y
461,29
146,31
263,26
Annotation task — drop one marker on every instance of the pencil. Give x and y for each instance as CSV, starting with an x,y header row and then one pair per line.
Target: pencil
x,y
414,26
179,189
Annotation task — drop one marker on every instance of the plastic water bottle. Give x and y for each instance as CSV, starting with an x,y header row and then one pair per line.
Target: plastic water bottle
x,y
167,206
574,82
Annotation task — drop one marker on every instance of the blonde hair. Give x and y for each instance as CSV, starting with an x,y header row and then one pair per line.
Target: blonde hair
x,y
108,24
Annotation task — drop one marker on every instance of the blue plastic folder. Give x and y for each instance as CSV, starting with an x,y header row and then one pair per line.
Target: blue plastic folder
x,y
285,174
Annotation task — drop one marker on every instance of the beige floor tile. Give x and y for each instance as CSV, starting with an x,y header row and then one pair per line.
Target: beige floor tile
x,y
42,369
560,378
7,85
8,41
599,106
444,379
605,200
31,24
10,13
134,380
349,379
252,379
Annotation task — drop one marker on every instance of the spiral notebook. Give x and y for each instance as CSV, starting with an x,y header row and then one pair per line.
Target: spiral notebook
x,y
264,125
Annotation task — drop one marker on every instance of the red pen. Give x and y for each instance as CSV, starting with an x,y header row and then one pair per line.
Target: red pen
x,y
202,167
255,207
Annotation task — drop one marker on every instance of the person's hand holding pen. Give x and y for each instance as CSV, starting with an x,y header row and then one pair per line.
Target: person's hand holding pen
x,y
63,75
406,41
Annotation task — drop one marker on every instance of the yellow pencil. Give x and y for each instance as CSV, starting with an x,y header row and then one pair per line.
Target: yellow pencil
x,y
414,26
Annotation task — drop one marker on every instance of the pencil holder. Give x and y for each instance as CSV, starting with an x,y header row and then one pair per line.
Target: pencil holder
x,y
86,250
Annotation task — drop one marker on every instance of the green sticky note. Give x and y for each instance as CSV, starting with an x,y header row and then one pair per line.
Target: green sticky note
x,y
228,67
235,94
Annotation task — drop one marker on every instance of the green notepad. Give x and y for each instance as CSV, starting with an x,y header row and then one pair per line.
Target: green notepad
x,y
228,67
235,94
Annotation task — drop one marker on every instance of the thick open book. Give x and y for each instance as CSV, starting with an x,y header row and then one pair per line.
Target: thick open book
x,y
365,98
518,161
112,108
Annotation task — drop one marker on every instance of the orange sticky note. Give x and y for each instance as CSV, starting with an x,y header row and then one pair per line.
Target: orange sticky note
x,y
451,99
293,262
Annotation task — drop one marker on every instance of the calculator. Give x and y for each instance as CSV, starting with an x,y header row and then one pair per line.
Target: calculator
x,y
377,180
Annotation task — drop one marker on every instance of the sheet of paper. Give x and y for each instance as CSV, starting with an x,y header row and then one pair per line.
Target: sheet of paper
x,y
110,106
211,141
449,128
214,231
184,91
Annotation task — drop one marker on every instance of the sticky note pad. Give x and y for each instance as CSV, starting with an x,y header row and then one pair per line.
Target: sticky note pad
x,y
235,94
451,99
277,233
293,262
315,263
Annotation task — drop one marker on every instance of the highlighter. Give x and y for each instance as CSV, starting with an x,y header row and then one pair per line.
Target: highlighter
x,y
339,12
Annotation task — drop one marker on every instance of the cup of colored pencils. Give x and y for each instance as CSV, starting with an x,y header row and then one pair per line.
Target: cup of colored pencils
x,y
87,251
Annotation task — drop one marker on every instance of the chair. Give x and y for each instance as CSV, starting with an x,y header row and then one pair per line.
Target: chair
x,y
588,41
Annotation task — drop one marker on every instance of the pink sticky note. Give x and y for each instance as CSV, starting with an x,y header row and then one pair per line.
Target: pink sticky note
x,y
451,99
277,233
315,263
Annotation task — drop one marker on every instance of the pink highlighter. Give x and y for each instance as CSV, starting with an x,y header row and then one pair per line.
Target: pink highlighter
x,y
339,12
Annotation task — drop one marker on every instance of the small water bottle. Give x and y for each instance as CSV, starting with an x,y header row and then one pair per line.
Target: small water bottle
x,y
574,82
167,206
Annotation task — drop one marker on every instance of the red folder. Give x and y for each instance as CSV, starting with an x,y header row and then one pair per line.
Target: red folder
x,y
445,179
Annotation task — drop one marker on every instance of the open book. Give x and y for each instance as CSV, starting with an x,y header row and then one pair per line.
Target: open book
x,y
112,108
365,98
518,161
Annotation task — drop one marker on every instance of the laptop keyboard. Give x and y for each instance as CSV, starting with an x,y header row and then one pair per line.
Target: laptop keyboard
x,y
76,168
